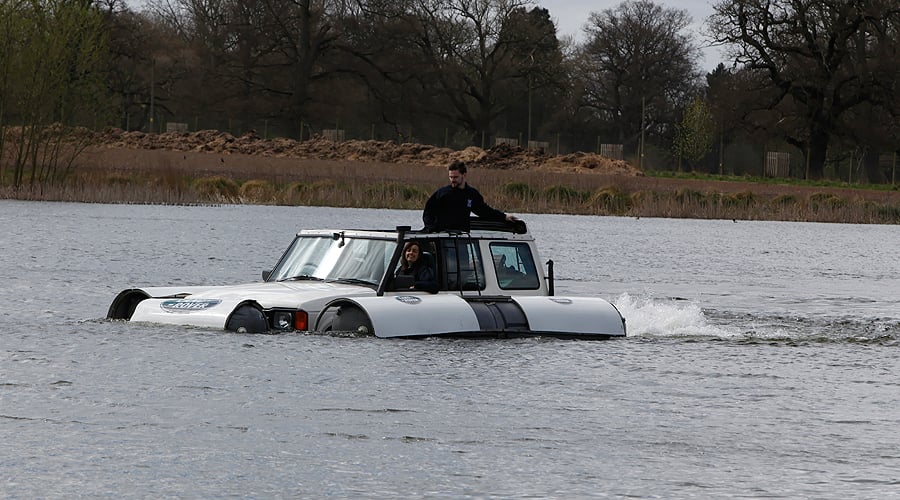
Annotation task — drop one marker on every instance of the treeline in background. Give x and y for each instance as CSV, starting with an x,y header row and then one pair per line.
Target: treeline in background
x,y
809,88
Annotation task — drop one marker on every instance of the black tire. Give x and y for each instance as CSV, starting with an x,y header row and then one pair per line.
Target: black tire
x,y
349,318
247,319
326,320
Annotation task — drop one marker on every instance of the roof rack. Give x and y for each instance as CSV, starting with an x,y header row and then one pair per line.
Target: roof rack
x,y
516,226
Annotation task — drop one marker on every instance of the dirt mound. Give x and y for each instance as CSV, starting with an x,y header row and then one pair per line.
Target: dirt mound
x,y
502,156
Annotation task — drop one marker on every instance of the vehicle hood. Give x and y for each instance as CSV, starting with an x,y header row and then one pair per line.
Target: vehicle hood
x,y
289,294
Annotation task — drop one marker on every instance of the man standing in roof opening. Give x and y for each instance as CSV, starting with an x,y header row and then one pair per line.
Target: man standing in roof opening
x,y
449,207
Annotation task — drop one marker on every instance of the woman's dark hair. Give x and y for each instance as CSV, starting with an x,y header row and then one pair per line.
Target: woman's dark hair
x,y
404,264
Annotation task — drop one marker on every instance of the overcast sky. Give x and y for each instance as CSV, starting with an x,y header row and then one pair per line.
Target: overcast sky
x,y
571,15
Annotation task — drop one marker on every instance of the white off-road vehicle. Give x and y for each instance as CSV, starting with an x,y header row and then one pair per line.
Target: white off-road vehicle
x,y
491,284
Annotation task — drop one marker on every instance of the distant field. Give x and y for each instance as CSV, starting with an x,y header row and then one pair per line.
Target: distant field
x,y
164,176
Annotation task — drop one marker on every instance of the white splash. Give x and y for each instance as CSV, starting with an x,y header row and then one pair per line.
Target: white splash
x,y
654,317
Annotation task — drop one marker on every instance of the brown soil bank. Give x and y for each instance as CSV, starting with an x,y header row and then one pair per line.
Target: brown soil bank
x,y
215,167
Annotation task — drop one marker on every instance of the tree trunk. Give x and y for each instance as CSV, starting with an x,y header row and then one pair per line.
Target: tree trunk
x,y
871,172
818,151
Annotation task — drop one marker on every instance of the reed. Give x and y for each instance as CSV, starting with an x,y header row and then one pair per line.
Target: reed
x,y
179,179
217,188
611,201
258,191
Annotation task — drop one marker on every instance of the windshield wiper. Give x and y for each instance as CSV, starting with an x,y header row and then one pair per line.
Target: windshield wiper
x,y
353,281
301,277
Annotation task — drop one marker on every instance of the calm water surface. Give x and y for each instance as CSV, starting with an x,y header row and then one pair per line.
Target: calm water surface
x,y
761,362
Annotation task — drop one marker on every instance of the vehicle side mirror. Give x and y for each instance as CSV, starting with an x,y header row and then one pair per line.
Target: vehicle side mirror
x,y
266,273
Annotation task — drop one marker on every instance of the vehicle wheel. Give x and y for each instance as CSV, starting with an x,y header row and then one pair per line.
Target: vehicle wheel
x,y
350,318
247,319
326,320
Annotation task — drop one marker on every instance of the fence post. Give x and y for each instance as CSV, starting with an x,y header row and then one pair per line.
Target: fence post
x,y
641,150
808,151
721,153
850,170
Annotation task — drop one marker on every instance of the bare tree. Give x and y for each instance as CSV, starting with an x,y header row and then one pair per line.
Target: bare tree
x,y
466,53
543,74
820,57
263,57
637,66
51,74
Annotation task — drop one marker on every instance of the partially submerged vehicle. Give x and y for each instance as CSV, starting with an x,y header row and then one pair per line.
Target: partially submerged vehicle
x,y
491,284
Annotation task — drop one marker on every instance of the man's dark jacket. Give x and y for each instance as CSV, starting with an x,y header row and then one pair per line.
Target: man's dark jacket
x,y
449,208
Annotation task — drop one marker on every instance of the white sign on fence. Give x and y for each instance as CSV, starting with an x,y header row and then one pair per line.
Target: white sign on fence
x,y
778,164
614,151
179,127
509,141
333,134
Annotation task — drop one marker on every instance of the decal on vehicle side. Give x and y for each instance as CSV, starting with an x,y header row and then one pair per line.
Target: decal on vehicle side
x,y
408,299
188,305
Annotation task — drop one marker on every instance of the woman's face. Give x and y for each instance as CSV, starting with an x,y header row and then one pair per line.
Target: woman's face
x,y
412,254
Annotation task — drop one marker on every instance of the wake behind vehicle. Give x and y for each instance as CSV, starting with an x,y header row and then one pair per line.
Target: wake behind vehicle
x,y
490,285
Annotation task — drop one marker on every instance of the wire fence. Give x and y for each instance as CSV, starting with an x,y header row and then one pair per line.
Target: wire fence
x,y
737,158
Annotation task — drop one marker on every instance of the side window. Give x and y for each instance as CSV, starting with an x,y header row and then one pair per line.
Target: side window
x,y
514,266
463,269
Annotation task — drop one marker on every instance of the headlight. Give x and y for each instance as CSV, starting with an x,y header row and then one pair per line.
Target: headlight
x,y
283,320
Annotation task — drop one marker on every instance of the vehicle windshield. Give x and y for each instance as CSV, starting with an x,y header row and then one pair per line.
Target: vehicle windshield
x,y
335,258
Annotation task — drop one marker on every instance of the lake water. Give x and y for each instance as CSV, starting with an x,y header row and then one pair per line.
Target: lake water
x,y
761,362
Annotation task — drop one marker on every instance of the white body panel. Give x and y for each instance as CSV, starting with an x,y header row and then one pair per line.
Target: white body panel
x,y
420,314
310,296
584,315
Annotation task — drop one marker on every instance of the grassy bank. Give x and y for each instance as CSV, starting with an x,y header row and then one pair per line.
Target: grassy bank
x,y
383,185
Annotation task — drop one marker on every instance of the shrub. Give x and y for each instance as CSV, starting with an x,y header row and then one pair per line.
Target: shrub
x,y
118,179
295,188
612,200
412,193
258,191
783,200
518,190
738,200
825,201
565,194
393,191
713,199
639,197
885,213
685,196
216,188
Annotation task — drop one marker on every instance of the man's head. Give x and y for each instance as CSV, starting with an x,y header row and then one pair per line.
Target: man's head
x,y
457,171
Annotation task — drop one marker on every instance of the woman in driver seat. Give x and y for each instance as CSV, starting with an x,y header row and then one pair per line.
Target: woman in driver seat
x,y
415,263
